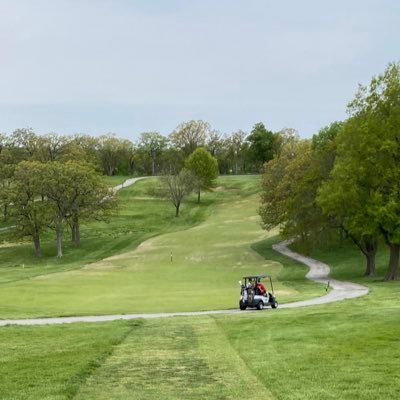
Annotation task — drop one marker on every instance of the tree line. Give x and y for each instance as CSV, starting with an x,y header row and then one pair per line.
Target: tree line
x,y
53,182
152,154
345,180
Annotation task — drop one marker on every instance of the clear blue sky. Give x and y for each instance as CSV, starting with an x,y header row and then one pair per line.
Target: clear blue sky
x,y
128,66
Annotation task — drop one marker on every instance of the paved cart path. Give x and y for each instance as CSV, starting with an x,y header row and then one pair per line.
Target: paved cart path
x,y
319,272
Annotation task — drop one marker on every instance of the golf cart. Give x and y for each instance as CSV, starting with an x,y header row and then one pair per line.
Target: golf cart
x,y
253,293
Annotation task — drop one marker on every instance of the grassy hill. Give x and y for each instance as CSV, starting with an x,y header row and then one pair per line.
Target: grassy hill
x,y
212,244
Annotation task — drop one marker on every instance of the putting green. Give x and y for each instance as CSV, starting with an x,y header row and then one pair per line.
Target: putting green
x,y
207,261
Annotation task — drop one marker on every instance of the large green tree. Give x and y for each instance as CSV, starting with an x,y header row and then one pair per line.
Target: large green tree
x,y
342,200
75,191
367,172
152,145
261,145
237,149
205,168
190,135
31,211
290,185
113,153
282,185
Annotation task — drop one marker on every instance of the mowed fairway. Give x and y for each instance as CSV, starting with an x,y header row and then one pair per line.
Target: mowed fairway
x,y
207,261
348,350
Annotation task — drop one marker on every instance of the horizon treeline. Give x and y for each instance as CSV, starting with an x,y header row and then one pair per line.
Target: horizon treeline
x,y
152,153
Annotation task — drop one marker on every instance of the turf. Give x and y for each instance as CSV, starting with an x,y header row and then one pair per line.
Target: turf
x,y
195,267
345,350
53,362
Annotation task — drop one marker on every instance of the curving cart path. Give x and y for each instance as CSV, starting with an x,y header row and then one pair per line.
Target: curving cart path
x,y
319,272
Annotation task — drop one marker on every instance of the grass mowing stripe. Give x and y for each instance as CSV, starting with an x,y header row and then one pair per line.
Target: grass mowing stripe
x,y
183,358
81,377
48,362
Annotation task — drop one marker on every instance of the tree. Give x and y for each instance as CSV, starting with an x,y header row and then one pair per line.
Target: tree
x,y
341,202
278,188
91,198
171,161
345,206
32,212
51,147
215,143
88,146
282,137
176,187
368,159
261,145
190,135
111,150
205,168
6,176
7,167
237,150
3,141
76,192
152,144
26,141
290,186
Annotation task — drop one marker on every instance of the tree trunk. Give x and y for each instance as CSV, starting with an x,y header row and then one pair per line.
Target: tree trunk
x,y
371,247
36,243
75,231
59,239
370,269
77,234
198,196
110,170
392,272
177,210
72,232
153,167
5,212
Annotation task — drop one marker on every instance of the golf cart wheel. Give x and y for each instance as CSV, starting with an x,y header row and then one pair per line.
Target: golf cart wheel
x,y
274,304
242,305
260,305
